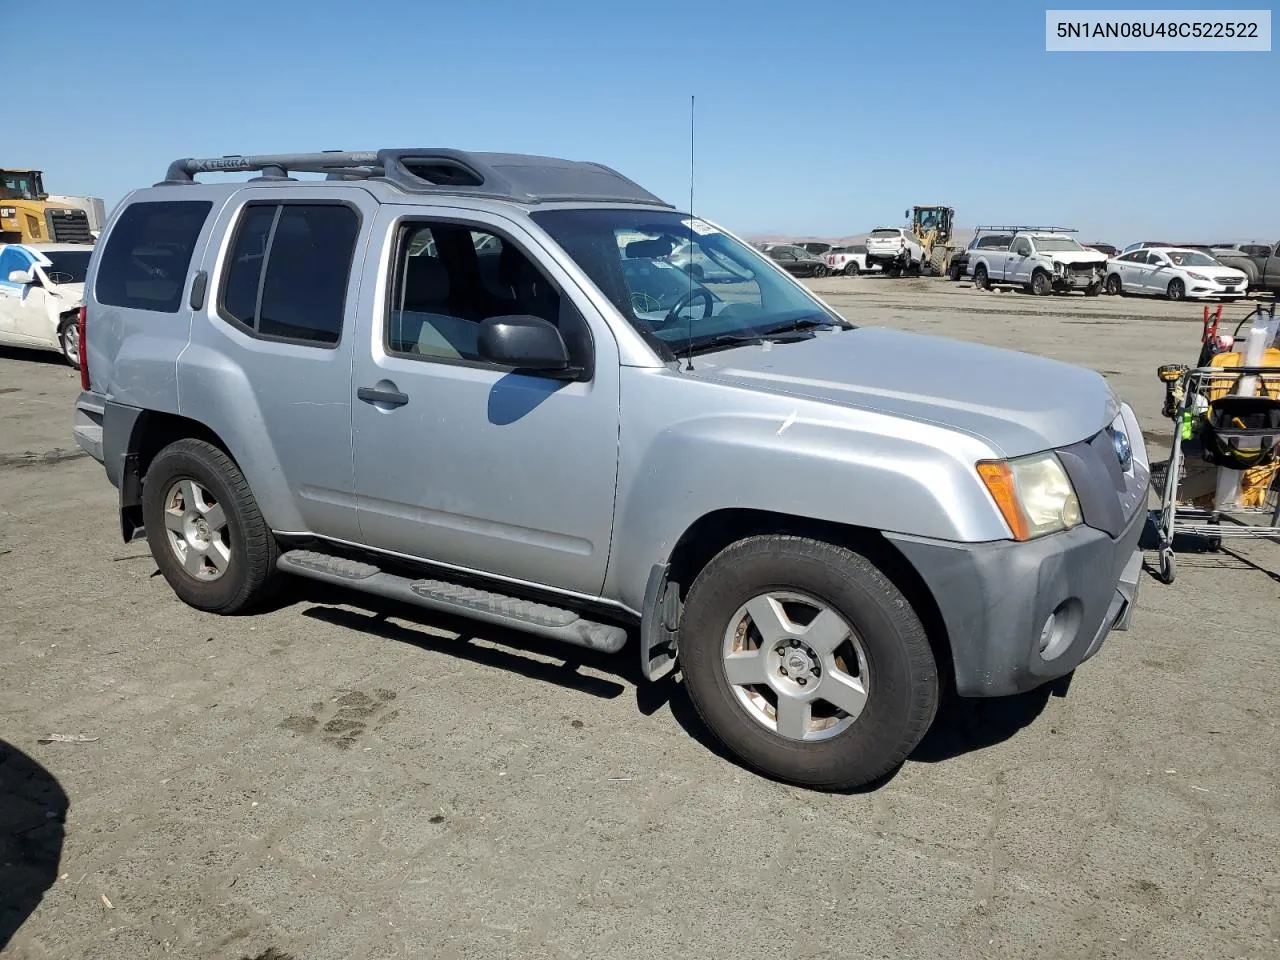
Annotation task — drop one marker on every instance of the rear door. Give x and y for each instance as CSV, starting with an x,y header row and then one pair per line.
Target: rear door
x,y
279,320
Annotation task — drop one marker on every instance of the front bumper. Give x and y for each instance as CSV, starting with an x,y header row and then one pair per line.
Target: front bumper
x,y
1076,281
996,599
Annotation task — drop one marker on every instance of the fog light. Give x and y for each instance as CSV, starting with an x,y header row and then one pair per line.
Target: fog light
x,y
1046,632
1059,630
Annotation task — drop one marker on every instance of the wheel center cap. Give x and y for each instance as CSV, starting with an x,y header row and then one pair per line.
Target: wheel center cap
x,y
797,662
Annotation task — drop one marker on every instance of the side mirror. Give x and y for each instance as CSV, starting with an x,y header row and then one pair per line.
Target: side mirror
x,y
22,276
525,343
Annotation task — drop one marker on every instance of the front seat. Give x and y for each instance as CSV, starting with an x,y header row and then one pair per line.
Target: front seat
x,y
428,324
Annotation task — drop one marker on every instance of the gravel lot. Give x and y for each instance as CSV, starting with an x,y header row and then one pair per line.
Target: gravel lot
x,y
337,779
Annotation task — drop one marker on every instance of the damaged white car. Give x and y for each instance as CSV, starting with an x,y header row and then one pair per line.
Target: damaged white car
x,y
1043,260
41,290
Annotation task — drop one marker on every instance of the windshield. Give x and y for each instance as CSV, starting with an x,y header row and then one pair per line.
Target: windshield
x,y
68,266
21,186
1057,243
724,292
1191,258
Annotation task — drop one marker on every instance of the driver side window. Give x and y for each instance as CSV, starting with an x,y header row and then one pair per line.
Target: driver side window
x,y
448,278
1022,247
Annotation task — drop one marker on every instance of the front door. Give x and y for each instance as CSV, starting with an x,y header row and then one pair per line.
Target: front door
x,y
23,306
1018,269
468,464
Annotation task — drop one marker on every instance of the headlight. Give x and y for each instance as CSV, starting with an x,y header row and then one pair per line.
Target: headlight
x,y
1033,493
1058,267
1196,276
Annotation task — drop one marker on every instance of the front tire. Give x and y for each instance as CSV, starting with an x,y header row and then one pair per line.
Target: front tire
x,y
807,662
980,278
205,530
1113,285
69,341
1040,284
1177,290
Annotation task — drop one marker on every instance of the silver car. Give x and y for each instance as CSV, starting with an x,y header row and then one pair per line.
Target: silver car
x,y
479,384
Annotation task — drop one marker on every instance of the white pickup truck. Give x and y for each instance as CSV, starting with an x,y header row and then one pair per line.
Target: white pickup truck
x,y
895,250
1042,261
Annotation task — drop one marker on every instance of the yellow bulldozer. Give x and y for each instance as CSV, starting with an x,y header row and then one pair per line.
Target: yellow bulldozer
x,y
30,215
932,227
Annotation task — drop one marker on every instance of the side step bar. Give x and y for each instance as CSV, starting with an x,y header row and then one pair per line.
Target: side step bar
x,y
496,608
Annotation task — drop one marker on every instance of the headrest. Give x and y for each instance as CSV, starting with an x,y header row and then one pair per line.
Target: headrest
x,y
649,249
426,280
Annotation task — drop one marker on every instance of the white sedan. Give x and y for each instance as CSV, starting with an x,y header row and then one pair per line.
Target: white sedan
x,y
1175,273
41,289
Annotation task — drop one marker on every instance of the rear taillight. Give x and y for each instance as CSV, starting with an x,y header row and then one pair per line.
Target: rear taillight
x,y
84,351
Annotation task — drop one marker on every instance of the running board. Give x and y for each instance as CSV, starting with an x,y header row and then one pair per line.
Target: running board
x,y
496,608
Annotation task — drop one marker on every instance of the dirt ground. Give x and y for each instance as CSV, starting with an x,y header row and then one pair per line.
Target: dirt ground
x,y
337,779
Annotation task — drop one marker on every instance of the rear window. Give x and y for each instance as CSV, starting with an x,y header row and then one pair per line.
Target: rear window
x,y
148,253
885,233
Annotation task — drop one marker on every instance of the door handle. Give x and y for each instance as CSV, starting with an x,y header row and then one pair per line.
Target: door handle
x,y
392,398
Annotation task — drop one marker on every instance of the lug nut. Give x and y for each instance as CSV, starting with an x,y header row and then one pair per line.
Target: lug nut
x,y
783,671
795,643
801,680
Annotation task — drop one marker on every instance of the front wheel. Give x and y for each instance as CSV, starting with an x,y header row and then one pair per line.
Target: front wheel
x,y
205,530
1113,285
1093,289
69,341
1177,290
980,278
1040,284
807,662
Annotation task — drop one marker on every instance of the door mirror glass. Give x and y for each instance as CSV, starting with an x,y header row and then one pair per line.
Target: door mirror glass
x,y
525,343
21,276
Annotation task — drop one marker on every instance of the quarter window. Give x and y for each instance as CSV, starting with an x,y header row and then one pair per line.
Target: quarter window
x,y
148,253
289,269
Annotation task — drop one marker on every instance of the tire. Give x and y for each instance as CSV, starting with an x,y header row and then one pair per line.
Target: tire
x,y
1168,570
1093,290
1114,286
1041,286
1177,290
851,269
820,272
248,549
69,341
954,272
886,640
980,277
937,257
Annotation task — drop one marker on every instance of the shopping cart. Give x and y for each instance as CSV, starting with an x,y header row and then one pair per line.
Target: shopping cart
x,y
1233,436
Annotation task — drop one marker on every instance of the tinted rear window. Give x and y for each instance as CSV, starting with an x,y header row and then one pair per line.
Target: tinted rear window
x,y
885,233
148,253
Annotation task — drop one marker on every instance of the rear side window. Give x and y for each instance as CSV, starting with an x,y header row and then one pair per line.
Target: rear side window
x,y
287,275
148,253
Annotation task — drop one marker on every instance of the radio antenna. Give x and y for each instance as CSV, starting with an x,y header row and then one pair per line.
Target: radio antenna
x,y
688,353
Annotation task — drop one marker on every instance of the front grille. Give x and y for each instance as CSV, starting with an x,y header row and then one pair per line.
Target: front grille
x,y
69,226
1229,281
1083,267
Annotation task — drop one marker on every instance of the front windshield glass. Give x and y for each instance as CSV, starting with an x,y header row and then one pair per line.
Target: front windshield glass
x,y
1057,243
20,186
680,282
1191,258
68,266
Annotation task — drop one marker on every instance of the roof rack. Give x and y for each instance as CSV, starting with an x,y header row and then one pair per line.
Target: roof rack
x,y
523,178
1027,229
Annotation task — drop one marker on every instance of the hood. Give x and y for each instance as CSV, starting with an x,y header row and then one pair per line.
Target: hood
x,y
1018,402
1076,256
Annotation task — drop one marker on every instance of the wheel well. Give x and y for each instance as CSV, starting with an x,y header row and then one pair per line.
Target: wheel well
x,y
715,531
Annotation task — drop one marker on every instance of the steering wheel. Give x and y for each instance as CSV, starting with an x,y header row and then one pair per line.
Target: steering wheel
x,y
57,276
673,315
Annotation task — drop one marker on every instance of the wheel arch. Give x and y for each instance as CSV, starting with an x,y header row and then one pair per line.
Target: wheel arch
x,y
713,532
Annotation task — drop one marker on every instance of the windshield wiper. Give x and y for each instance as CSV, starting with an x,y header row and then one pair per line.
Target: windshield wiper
x,y
807,323
722,340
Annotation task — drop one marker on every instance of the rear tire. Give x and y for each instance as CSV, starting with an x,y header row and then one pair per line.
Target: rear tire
x,y
851,269
200,515
868,650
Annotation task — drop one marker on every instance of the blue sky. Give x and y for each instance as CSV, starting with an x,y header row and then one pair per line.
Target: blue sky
x,y
814,118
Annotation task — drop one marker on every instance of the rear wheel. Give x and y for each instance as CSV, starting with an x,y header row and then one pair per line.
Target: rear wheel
x,y
1177,290
807,662
205,530
851,268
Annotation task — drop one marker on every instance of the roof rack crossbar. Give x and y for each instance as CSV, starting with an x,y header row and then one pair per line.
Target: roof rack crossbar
x,y
348,162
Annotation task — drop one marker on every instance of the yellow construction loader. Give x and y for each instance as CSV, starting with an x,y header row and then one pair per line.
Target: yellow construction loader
x,y
932,227
29,215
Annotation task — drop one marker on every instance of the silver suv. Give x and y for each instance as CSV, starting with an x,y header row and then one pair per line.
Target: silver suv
x,y
480,384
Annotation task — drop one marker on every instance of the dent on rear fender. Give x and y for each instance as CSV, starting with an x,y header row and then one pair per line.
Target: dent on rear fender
x,y
806,461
